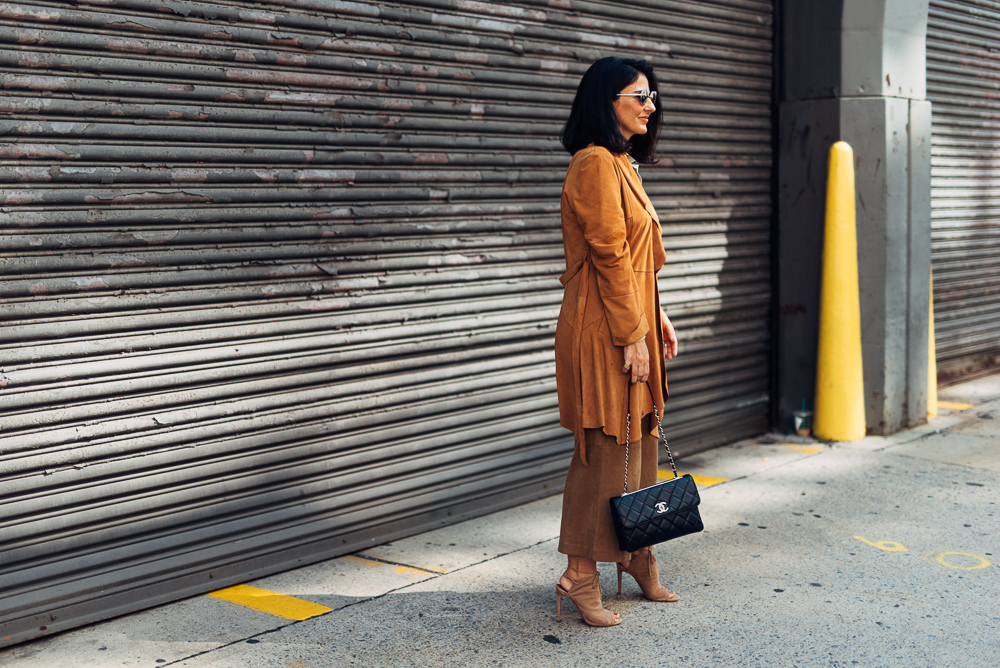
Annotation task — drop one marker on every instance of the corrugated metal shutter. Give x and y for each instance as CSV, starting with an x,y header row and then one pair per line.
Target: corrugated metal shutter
x,y
963,77
279,280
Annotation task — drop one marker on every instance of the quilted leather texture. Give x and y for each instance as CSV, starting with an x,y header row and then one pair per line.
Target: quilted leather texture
x,y
656,514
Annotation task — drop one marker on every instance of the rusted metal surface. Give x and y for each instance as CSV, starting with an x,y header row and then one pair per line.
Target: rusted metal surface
x,y
963,73
290,271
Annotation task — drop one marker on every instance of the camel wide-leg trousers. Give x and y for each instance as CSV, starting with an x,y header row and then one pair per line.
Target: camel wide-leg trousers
x,y
587,528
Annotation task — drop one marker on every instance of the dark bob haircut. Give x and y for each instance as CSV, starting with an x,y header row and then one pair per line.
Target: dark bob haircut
x,y
593,120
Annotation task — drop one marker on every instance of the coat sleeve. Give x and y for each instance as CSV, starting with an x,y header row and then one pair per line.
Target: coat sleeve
x,y
596,198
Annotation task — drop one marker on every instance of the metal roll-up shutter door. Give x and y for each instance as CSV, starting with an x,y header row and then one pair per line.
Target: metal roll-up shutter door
x,y
963,77
280,279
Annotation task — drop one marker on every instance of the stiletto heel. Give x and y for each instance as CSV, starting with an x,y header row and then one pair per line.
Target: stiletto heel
x,y
619,578
643,568
586,596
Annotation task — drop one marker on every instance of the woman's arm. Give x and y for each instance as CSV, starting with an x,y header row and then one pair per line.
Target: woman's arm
x,y
637,361
594,193
669,336
637,355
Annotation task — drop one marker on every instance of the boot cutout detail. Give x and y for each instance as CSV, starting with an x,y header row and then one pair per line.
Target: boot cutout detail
x,y
586,596
643,568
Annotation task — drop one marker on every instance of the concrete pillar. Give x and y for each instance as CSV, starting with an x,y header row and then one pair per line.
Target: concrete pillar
x,y
854,70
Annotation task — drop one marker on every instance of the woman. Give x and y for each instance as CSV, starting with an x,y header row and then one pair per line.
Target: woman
x,y
612,335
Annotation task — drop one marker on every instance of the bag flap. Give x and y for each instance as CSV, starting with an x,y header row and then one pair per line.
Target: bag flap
x,y
646,505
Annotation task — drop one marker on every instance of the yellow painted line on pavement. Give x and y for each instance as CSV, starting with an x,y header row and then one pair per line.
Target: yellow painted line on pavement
x,y
270,602
700,480
425,567
808,449
954,405
887,545
942,559
405,570
368,563
421,570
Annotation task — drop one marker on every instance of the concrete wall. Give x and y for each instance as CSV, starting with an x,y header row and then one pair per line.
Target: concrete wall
x,y
854,70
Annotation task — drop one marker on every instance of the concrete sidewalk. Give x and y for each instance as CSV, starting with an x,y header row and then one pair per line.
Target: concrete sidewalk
x,y
877,553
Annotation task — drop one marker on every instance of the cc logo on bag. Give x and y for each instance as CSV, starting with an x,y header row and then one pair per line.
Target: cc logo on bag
x,y
661,507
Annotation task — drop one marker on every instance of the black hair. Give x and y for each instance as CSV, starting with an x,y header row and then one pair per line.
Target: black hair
x,y
593,120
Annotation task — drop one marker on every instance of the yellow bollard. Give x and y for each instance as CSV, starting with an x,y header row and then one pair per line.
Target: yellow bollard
x,y
931,364
840,395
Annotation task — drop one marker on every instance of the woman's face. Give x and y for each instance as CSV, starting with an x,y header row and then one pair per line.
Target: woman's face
x,y
633,115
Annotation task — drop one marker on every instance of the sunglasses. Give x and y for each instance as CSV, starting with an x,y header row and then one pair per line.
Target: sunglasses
x,y
643,95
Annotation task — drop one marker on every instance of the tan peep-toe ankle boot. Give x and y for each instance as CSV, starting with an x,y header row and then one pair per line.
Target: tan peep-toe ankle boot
x,y
643,569
586,596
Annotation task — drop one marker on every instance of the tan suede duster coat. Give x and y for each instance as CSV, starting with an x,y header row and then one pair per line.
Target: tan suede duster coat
x,y
614,247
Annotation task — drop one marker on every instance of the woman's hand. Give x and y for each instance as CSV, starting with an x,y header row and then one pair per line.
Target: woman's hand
x,y
637,361
669,336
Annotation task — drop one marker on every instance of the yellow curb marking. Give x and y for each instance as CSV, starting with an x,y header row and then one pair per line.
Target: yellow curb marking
x,y
887,545
808,449
954,405
940,558
270,602
431,568
405,570
700,480
369,563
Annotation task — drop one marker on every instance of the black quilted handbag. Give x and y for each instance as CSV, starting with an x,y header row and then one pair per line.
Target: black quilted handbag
x,y
657,513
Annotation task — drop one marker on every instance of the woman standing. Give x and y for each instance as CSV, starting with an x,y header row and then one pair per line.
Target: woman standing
x,y
612,336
